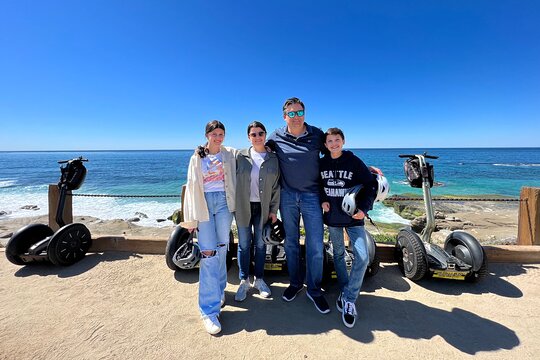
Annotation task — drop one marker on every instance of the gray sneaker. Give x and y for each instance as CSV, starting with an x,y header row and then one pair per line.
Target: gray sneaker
x,y
264,290
241,293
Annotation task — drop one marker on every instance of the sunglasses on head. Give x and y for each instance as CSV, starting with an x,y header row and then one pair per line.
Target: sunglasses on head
x,y
254,134
292,114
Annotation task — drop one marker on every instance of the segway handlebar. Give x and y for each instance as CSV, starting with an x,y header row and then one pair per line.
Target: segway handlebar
x,y
413,156
80,158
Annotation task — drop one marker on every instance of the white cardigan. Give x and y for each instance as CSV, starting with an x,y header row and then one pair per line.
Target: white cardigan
x,y
194,206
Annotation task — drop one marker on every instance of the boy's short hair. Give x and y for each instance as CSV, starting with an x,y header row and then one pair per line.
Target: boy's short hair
x,y
334,131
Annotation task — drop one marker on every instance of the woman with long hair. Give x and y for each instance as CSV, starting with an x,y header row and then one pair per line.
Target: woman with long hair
x,y
208,206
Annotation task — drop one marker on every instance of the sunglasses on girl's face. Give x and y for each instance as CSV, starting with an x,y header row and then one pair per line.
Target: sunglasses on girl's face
x,y
254,134
292,114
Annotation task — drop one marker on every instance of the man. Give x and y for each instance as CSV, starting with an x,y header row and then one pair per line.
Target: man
x,y
297,146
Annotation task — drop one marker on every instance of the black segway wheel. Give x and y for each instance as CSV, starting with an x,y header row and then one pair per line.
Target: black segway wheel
x,y
23,239
178,237
373,267
69,244
374,261
328,264
465,247
411,255
483,272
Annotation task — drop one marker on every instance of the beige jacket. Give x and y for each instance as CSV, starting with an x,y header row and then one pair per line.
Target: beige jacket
x,y
194,206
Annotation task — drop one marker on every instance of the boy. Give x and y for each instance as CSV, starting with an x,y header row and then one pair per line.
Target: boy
x,y
341,170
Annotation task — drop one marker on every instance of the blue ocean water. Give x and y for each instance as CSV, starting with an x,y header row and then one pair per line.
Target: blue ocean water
x,y
24,178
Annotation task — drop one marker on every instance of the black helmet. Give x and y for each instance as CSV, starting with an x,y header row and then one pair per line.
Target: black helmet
x,y
273,233
73,173
188,255
348,204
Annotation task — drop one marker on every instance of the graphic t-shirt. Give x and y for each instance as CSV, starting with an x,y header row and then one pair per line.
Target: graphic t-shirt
x,y
258,159
213,175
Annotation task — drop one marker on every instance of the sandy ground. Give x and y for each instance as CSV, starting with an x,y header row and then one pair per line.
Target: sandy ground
x,y
126,306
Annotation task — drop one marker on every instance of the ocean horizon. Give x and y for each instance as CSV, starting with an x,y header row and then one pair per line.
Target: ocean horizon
x,y
25,176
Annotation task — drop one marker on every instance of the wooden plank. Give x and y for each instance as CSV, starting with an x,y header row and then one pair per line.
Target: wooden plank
x,y
529,216
134,245
54,196
495,253
521,254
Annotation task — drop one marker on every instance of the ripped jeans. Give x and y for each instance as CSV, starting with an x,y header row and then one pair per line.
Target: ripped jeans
x,y
214,236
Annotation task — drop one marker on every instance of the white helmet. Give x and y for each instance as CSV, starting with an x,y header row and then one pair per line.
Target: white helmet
x,y
348,204
273,233
383,187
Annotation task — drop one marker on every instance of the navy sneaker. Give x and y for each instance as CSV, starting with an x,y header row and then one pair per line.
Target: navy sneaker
x,y
349,314
320,303
339,302
290,293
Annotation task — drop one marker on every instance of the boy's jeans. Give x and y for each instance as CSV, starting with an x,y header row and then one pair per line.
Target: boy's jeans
x,y
350,284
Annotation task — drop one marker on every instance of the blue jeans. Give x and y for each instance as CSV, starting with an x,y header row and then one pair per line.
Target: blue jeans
x,y
292,205
245,235
350,284
214,236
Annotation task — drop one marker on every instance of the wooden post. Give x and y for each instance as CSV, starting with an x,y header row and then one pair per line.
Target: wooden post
x,y
54,196
529,217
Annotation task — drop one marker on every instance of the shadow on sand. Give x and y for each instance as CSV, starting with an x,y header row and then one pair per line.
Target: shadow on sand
x,y
492,284
409,319
80,267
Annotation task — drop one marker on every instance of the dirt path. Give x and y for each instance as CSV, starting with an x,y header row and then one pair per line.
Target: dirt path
x,y
125,306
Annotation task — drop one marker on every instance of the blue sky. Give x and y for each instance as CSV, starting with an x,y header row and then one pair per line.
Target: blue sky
x,y
83,75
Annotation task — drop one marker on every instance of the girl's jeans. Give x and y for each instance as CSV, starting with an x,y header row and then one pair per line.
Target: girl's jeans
x,y
214,236
245,235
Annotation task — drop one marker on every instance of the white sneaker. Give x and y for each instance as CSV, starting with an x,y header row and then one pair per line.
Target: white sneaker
x,y
264,290
211,324
241,293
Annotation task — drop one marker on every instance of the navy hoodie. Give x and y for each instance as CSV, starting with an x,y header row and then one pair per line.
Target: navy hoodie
x,y
338,176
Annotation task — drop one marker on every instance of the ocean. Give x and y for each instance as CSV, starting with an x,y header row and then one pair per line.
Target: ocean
x,y
24,179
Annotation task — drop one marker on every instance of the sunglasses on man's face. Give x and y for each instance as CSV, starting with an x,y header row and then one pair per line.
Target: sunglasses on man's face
x,y
254,134
292,114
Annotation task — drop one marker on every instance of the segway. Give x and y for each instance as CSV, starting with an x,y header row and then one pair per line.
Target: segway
x,y
329,271
462,257
181,250
39,243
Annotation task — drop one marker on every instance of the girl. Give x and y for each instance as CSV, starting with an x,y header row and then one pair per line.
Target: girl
x,y
208,206
257,202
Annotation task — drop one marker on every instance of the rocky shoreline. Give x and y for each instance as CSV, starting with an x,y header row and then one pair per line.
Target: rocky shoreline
x,y
491,222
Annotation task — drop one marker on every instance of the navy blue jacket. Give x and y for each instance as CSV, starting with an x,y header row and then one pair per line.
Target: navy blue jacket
x,y
298,158
339,175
